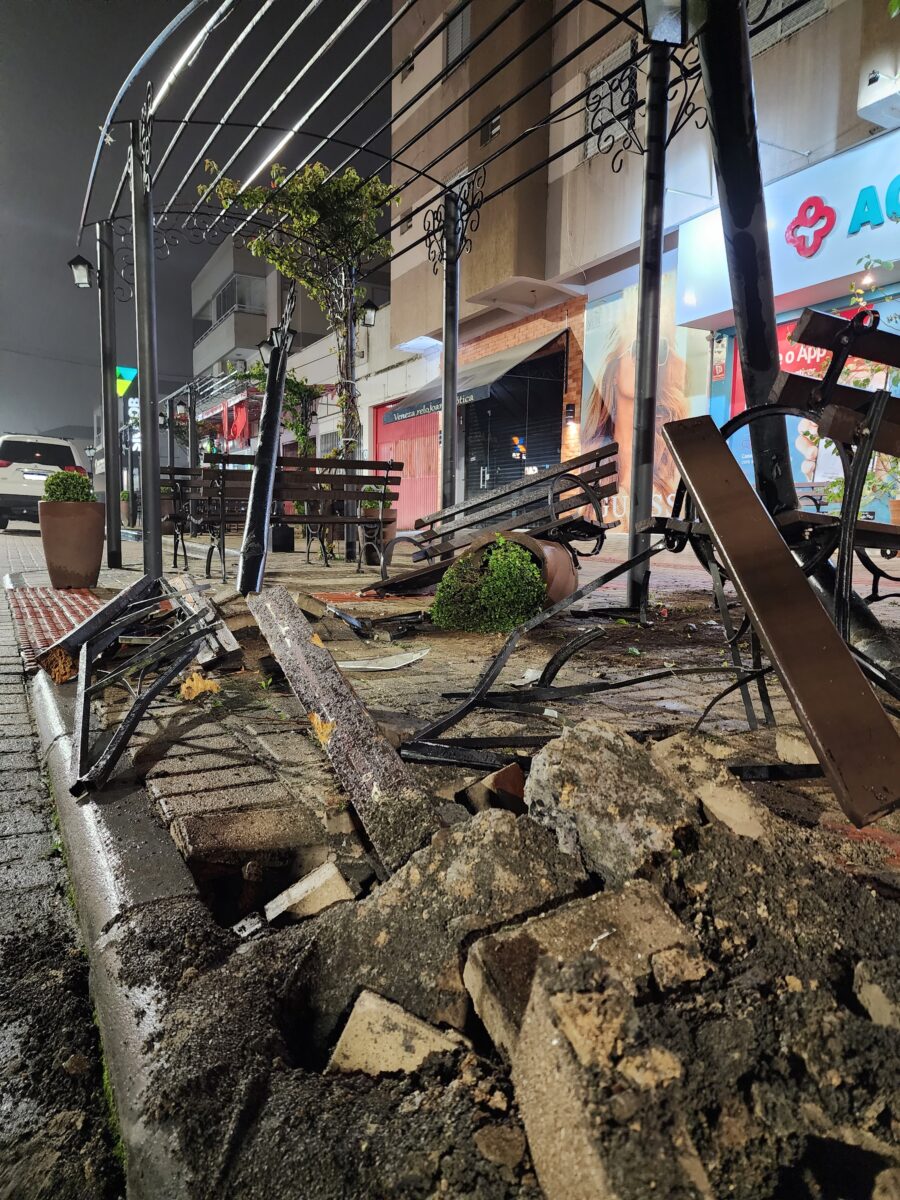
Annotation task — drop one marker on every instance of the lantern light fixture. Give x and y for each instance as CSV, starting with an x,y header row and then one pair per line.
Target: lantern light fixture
x,y
369,312
83,271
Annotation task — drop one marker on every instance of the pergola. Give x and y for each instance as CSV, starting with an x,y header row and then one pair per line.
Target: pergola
x,y
215,77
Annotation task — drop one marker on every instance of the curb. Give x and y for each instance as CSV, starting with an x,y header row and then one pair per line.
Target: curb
x,y
120,862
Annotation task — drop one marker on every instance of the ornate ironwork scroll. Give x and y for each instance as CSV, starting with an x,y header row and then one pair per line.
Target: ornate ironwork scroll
x,y
684,80
612,108
469,198
145,138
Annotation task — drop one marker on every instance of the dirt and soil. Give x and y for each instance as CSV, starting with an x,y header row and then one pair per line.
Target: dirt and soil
x,y
57,1141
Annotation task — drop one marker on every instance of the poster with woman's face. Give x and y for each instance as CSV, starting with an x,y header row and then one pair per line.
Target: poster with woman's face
x,y
607,405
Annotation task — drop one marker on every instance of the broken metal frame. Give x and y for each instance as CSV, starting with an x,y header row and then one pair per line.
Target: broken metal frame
x,y
142,610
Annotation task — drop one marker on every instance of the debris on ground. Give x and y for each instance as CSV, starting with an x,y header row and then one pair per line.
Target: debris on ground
x,y
195,685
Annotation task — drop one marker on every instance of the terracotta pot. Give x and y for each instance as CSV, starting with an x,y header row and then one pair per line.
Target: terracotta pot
x,y
124,514
894,510
558,570
72,536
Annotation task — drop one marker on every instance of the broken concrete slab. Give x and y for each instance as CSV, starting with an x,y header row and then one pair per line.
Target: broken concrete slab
x,y
634,930
698,762
405,940
315,892
607,800
381,1038
396,814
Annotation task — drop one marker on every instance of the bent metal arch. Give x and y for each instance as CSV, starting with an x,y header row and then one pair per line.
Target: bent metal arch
x,y
205,55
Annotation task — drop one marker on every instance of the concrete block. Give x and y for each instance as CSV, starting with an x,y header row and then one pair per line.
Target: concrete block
x,y
382,1038
631,930
222,779
405,939
234,799
317,891
607,800
697,762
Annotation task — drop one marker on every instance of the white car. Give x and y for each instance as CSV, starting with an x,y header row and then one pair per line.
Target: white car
x,y
25,462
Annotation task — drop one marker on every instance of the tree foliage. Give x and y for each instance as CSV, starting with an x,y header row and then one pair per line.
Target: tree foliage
x,y
325,231
299,408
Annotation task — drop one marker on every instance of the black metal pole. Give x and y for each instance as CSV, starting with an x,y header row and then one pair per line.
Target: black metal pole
x,y
193,440
112,461
353,431
252,564
643,438
724,47
170,431
145,320
129,459
449,426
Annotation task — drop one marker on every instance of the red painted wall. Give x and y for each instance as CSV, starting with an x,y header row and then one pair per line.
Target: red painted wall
x,y
415,444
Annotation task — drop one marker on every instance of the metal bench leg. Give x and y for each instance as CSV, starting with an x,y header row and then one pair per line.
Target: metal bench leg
x,y
209,557
725,617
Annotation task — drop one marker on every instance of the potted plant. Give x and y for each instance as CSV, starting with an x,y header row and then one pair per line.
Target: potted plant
x,y
882,484
124,514
491,589
167,508
72,527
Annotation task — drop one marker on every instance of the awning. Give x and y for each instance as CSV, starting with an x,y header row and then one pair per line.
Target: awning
x,y
474,381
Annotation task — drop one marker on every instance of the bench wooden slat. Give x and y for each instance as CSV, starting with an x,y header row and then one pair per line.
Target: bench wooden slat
x,y
518,485
870,535
847,727
528,522
821,329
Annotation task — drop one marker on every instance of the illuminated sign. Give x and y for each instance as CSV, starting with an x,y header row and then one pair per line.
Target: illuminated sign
x,y
822,222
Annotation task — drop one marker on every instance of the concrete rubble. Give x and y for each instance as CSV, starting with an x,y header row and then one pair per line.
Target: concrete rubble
x,y
620,975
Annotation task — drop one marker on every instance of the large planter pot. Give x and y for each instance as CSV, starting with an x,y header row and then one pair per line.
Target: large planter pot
x,y
72,537
894,509
124,514
558,570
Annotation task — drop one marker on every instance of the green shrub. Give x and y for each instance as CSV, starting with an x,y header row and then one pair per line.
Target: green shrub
x,y
68,485
492,594
373,497
123,495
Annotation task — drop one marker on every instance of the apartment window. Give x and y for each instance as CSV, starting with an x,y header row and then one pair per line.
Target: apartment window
x,y
490,128
613,99
784,26
225,300
457,36
327,443
408,67
407,225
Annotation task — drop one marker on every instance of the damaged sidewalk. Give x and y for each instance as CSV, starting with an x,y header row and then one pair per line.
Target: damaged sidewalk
x,y
324,971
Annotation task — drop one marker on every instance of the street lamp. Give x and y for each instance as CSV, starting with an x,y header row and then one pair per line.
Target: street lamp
x,y
673,22
274,339
181,406
83,271
369,309
163,423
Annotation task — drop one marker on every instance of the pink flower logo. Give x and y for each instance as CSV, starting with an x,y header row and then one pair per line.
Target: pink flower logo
x,y
808,230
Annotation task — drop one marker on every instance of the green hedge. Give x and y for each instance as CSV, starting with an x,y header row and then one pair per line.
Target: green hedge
x,y
491,594
67,486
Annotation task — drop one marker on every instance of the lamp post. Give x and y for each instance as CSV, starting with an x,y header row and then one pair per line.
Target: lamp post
x,y
83,275
667,24
369,310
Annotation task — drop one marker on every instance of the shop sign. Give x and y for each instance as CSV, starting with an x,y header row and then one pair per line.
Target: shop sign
x,y
822,222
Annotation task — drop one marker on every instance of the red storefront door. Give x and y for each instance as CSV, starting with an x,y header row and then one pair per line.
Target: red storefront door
x,y
415,443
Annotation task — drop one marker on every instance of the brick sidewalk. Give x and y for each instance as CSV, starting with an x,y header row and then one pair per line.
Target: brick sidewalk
x,y
54,1139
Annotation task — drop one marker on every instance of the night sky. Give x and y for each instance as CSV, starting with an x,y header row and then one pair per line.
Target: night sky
x,y
61,63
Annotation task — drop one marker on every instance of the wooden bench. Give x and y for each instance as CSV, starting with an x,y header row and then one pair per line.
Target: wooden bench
x,y
324,495
547,504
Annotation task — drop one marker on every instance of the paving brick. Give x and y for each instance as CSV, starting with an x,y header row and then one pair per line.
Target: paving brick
x,y
221,780
17,760
259,795
237,836
27,873
381,1038
19,819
